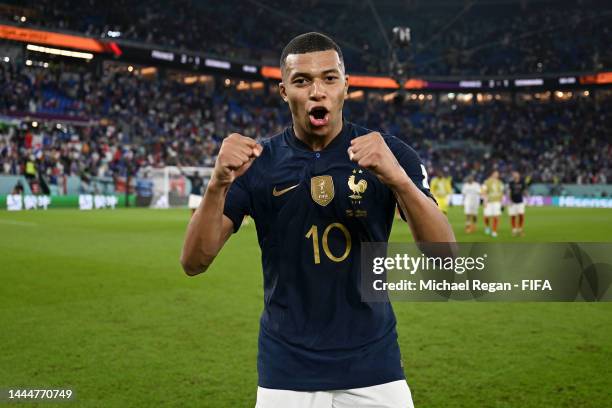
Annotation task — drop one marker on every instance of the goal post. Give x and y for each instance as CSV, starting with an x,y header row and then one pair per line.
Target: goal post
x,y
171,184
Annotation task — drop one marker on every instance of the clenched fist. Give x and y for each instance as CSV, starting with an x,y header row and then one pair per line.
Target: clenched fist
x,y
236,155
371,152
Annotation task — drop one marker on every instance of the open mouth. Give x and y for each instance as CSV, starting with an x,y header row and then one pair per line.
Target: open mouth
x,y
319,116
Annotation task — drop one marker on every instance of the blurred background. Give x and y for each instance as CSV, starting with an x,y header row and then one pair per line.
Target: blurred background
x,y
134,98
113,104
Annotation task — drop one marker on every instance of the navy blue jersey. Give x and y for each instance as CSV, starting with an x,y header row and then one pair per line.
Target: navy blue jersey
x,y
312,211
517,190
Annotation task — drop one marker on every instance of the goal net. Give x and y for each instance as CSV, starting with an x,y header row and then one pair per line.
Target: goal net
x,y
172,185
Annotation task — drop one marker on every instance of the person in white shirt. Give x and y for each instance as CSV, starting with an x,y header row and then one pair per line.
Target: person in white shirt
x,y
471,202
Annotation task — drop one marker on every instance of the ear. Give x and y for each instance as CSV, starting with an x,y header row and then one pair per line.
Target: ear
x,y
282,90
346,86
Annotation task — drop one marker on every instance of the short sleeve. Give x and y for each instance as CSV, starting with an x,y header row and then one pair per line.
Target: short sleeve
x,y
412,164
238,201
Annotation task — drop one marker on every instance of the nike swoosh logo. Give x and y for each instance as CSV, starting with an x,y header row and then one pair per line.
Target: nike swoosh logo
x,y
277,193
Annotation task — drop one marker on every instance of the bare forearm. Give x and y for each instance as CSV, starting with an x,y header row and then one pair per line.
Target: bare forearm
x,y
204,237
427,222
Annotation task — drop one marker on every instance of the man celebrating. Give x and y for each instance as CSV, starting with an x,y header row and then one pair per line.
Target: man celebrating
x,y
317,191
493,192
518,190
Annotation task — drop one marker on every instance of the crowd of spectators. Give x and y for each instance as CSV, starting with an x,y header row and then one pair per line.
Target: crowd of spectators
x,y
552,141
449,38
114,124
119,119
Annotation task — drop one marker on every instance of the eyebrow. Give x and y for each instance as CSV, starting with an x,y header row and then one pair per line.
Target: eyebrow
x,y
309,75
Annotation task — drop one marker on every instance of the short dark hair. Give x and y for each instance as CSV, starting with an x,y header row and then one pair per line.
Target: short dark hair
x,y
309,42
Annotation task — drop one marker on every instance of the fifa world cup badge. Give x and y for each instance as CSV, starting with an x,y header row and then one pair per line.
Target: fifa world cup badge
x,y
322,189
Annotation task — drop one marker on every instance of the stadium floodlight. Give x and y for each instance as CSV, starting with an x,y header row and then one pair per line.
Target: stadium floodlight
x,y
399,63
401,36
58,51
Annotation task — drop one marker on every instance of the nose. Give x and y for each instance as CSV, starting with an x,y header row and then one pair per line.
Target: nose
x,y
317,91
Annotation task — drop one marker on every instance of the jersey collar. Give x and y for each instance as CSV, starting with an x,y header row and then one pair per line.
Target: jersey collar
x,y
338,142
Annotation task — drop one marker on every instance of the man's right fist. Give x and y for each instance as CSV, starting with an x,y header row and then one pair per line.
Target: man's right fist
x,y
236,155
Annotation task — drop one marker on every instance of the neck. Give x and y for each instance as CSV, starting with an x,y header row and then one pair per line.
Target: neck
x,y
317,142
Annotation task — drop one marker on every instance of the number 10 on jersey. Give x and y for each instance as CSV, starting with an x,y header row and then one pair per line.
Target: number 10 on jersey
x,y
313,233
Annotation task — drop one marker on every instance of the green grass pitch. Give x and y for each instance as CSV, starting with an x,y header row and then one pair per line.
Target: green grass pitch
x,y
96,301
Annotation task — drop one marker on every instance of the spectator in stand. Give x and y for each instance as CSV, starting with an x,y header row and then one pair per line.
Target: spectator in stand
x,y
154,122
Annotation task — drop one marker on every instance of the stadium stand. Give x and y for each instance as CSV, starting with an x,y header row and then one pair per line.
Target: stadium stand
x,y
103,121
451,37
120,118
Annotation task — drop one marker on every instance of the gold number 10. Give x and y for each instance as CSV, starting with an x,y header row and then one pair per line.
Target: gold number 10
x,y
314,233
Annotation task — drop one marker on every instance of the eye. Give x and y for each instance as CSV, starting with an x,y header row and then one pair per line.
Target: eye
x,y
299,81
331,78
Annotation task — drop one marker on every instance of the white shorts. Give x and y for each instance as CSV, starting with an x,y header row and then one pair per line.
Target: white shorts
x,y
395,394
516,209
492,209
470,208
194,201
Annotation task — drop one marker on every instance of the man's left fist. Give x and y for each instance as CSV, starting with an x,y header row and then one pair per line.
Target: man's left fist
x,y
371,152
